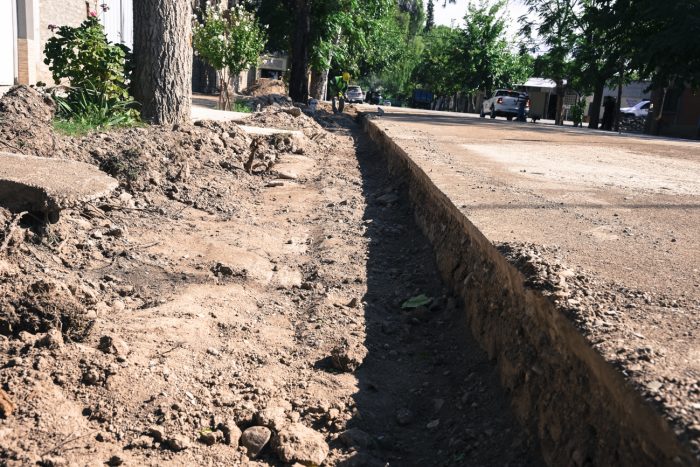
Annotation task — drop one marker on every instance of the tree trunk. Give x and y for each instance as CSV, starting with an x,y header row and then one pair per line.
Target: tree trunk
x,y
162,78
653,123
319,84
594,109
559,119
298,84
619,98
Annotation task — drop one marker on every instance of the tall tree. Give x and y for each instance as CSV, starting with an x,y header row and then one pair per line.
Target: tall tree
x,y
430,16
556,24
162,79
298,84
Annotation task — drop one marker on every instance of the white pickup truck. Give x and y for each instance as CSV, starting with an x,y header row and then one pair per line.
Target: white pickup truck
x,y
504,103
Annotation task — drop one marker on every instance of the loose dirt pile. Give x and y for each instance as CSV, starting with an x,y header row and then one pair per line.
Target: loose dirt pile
x,y
266,86
268,92
237,301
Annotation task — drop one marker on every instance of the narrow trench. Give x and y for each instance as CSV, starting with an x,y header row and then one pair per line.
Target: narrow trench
x,y
427,393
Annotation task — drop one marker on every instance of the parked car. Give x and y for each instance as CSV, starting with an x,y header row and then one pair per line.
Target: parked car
x,y
355,94
641,109
504,103
421,99
374,97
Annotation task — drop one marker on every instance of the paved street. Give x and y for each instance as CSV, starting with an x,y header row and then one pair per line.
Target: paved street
x,y
622,210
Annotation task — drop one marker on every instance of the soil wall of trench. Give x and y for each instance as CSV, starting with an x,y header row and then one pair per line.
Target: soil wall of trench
x,y
577,405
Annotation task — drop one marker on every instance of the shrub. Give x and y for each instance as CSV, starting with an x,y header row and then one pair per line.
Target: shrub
x,y
98,72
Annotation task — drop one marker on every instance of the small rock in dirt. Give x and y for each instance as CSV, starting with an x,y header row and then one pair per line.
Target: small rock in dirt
x,y
287,175
142,442
210,438
223,270
177,443
116,232
6,405
355,437
156,432
213,351
255,439
232,434
297,443
272,417
53,340
388,198
91,376
654,386
432,424
348,357
114,345
353,303
404,416
115,461
293,111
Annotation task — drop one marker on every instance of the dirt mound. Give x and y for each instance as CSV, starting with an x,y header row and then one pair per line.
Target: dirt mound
x,y
266,86
25,122
188,163
286,119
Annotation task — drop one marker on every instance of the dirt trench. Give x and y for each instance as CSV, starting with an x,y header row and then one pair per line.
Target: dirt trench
x,y
200,323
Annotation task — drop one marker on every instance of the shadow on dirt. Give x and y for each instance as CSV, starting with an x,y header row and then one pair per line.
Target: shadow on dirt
x,y
428,394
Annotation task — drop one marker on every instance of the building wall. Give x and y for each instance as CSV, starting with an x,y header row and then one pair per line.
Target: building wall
x,y
683,120
60,13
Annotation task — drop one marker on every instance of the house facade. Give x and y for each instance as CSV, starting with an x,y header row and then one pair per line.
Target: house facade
x,y
24,30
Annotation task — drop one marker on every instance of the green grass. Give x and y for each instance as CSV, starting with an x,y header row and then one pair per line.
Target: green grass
x,y
84,127
73,128
242,107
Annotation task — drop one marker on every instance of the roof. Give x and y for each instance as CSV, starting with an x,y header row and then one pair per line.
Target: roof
x,y
540,83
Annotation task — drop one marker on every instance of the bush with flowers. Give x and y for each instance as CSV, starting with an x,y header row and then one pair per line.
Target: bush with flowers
x,y
98,73
229,40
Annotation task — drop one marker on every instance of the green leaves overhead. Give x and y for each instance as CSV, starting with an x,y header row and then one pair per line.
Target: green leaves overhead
x,y
475,57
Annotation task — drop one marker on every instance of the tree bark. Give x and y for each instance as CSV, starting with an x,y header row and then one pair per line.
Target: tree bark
x,y
319,84
559,118
162,80
653,123
620,83
298,84
594,109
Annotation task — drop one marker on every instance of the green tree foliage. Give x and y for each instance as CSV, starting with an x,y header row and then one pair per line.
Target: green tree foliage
x,y
438,70
230,41
477,57
556,24
430,16
666,38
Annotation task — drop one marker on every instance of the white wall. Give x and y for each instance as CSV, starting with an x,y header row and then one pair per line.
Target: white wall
x,y
7,43
119,22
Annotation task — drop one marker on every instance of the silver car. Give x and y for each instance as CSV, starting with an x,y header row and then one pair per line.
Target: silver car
x,y
355,94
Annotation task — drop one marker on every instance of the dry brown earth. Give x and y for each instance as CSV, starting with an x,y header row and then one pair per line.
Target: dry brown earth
x,y
204,308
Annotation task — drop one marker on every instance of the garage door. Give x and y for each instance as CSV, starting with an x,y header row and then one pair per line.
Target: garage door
x,y
7,43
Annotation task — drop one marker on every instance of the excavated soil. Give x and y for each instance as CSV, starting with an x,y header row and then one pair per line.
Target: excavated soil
x,y
235,284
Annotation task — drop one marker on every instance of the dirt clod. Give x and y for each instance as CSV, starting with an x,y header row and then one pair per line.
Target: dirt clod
x,y
297,443
254,439
348,356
